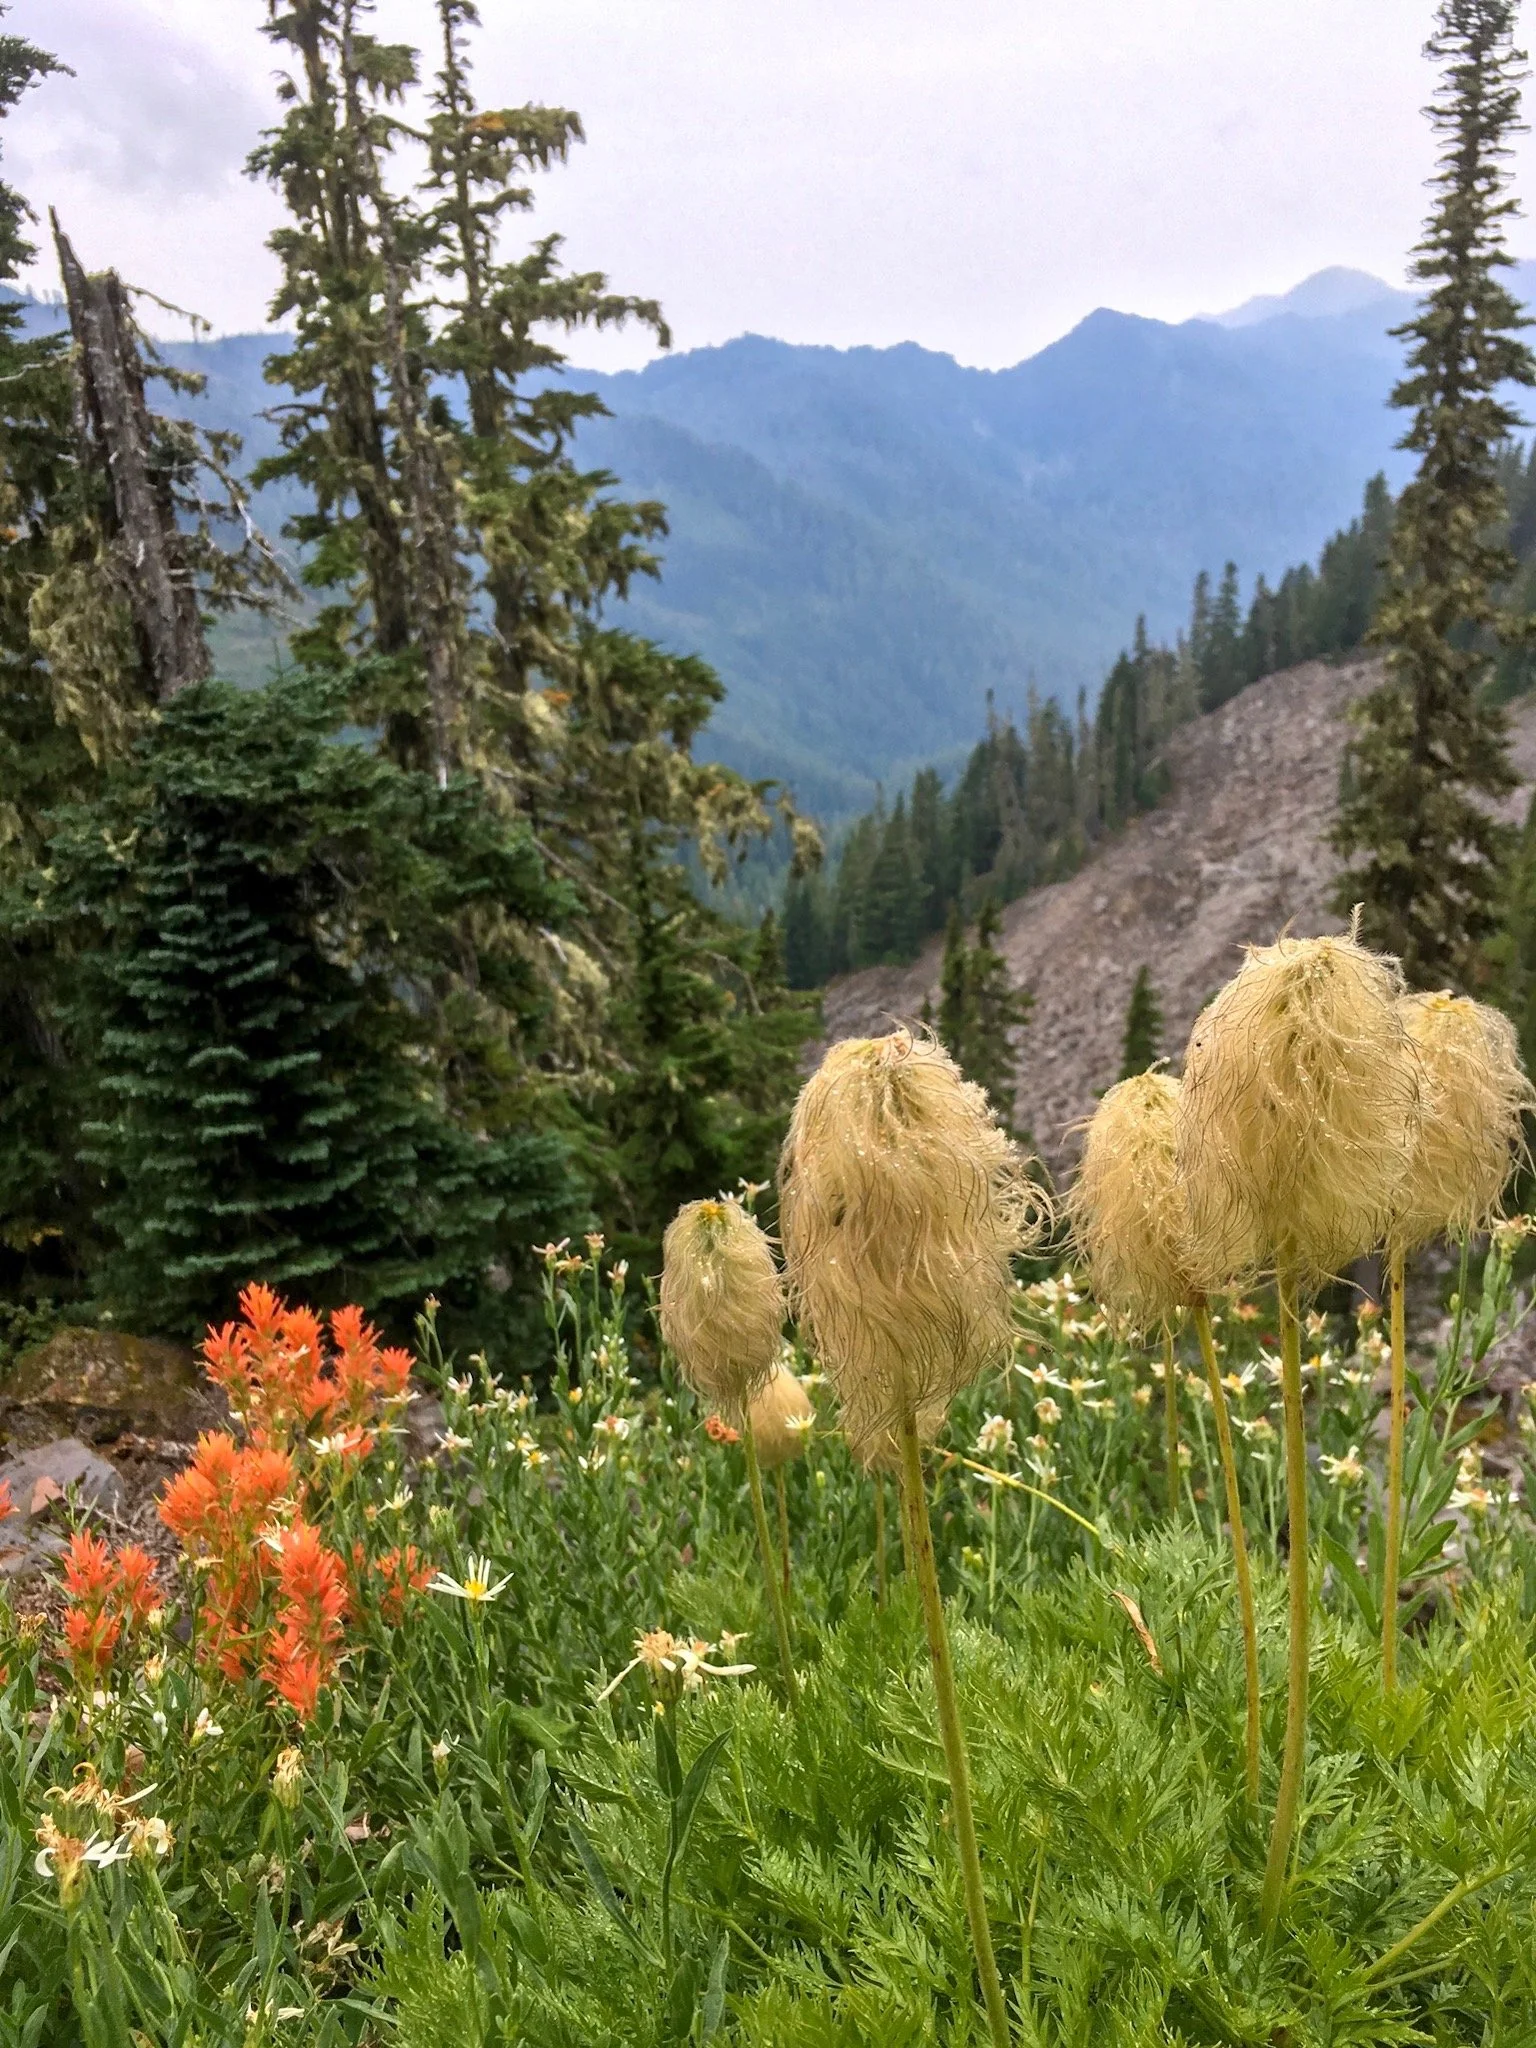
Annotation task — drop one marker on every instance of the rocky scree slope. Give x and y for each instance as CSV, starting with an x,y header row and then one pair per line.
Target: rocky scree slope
x,y
1235,852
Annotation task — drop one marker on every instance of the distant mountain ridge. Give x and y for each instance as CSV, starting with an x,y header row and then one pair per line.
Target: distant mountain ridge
x,y
867,542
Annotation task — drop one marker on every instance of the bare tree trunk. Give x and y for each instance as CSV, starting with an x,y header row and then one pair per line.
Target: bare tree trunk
x,y
112,423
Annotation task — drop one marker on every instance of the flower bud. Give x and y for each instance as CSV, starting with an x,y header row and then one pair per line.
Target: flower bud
x,y
722,1303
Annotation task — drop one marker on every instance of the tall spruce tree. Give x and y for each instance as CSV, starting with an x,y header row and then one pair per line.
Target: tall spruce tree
x,y
42,761
999,1011
466,555
1142,1044
1430,752
981,1012
264,915
955,1007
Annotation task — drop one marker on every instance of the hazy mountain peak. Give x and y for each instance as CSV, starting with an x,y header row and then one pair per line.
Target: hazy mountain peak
x,y
1322,296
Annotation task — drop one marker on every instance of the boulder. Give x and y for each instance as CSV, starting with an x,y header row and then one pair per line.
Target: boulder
x,y
100,1385
65,1472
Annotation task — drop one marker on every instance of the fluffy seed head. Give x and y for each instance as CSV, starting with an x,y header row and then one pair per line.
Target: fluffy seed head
x,y
782,1417
1299,1112
901,1205
1127,1207
722,1302
1475,1094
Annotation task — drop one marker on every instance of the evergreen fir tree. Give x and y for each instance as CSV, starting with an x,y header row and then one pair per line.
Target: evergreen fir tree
x,y
1143,1039
1518,943
889,929
1221,661
931,863
956,1009
807,936
980,1010
42,762
998,1012
271,912
1430,751
1200,626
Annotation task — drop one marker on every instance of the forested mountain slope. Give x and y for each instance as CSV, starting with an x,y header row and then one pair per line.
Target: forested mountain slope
x,y
865,542
1235,853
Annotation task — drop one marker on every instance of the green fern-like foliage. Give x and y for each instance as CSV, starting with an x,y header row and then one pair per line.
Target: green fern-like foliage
x,y
1122,1859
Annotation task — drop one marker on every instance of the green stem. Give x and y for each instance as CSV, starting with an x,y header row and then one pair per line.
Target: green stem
x,y
880,1540
1462,1277
783,1500
1394,1558
952,1735
1171,1419
770,1569
1240,1563
1293,1760
1036,1493
1453,1897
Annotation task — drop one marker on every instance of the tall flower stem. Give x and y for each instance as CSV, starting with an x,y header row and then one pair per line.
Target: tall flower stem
x,y
1240,1564
1171,1420
1293,1759
782,1495
915,1499
1394,1557
770,1567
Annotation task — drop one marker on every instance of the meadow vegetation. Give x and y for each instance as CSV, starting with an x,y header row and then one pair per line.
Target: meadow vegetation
x,y
499,1742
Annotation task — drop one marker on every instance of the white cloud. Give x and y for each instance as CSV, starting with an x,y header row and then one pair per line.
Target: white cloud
x,y
973,177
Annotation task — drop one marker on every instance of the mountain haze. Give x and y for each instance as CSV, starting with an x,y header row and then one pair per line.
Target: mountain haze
x,y
867,542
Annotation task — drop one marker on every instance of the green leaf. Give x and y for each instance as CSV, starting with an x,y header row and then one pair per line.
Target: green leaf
x,y
669,1770
1354,1582
602,1884
682,2001
713,2009
694,1788
535,1800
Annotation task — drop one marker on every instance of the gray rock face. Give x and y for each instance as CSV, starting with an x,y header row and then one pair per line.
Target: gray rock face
x,y
99,1385
65,1472
1237,851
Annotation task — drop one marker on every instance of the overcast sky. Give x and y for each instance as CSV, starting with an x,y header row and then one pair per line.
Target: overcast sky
x,y
975,175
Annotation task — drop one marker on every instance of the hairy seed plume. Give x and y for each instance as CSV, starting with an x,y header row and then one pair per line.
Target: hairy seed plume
x,y
781,1418
722,1303
1475,1095
1299,1112
1127,1208
901,1206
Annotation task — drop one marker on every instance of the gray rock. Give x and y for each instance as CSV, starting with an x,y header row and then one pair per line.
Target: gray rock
x,y
65,1470
98,1385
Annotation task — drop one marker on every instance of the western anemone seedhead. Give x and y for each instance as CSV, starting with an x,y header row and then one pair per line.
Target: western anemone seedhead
x,y
1299,1113
1127,1207
901,1205
722,1303
782,1418
1475,1095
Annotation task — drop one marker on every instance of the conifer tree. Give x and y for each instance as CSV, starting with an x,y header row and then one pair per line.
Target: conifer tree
x,y
42,761
1143,1039
807,934
265,915
980,1010
889,929
467,553
956,1010
1430,751
1221,658
999,1011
